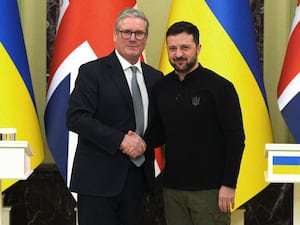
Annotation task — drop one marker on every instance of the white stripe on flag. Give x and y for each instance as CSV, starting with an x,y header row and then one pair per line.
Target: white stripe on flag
x,y
292,89
83,53
73,138
156,168
63,8
296,19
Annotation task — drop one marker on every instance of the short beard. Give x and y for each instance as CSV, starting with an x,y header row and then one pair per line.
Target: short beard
x,y
187,68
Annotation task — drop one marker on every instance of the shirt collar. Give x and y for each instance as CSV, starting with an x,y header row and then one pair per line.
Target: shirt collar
x,y
125,64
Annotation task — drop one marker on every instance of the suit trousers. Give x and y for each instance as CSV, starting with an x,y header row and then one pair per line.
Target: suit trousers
x,y
126,208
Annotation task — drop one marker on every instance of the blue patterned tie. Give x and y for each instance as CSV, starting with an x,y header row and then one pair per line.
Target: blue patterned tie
x,y
138,112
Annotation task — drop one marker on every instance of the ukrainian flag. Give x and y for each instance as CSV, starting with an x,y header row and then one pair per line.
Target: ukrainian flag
x,y
286,165
229,48
17,104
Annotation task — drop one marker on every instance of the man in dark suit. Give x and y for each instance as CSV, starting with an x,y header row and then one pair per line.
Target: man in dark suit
x,y
101,111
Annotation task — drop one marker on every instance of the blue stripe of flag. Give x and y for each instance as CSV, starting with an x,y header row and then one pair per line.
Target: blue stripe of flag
x,y
286,160
55,125
241,31
291,115
11,36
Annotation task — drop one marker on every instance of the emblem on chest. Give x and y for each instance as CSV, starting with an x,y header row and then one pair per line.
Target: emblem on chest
x,y
195,101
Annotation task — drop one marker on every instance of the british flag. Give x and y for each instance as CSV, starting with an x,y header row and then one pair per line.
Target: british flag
x,y
288,91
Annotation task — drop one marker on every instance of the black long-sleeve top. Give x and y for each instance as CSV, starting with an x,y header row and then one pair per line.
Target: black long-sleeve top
x,y
203,130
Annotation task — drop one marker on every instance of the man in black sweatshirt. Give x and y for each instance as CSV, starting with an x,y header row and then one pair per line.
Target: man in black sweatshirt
x,y
202,129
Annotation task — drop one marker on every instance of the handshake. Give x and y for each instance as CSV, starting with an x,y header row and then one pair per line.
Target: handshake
x,y
133,145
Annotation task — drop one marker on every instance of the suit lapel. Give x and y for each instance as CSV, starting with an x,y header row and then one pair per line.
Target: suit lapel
x,y
119,78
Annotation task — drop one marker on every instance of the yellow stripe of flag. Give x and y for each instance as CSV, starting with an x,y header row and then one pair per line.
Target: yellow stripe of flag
x,y
287,169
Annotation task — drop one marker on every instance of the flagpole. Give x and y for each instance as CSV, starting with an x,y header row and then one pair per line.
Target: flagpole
x,y
296,208
1,202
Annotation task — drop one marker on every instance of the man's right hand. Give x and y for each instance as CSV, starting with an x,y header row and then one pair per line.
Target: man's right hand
x,y
133,145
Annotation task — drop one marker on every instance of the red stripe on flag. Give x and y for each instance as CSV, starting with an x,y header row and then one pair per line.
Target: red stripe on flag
x,y
159,158
291,66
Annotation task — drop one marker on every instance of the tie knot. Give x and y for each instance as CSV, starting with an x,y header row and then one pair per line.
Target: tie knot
x,y
133,69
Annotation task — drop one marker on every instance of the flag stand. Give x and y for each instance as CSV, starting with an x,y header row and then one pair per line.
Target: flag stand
x,y
280,159
14,164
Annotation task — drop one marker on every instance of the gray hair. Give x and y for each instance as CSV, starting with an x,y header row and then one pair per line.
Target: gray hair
x,y
131,12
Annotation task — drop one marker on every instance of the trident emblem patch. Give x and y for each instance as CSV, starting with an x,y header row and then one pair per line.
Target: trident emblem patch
x,y
195,101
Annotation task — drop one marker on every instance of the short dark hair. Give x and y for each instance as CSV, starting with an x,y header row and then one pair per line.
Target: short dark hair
x,y
184,27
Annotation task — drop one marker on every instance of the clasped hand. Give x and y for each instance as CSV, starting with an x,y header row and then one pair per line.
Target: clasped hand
x,y
133,145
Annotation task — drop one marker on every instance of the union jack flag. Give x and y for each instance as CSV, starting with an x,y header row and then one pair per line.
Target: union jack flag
x,y
289,83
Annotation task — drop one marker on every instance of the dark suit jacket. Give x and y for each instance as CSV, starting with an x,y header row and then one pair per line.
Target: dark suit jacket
x,y
101,113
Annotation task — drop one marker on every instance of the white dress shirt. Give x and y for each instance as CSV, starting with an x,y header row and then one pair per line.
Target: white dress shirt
x,y
141,82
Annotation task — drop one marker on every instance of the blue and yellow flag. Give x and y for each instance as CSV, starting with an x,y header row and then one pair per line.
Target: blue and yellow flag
x,y
17,104
229,48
